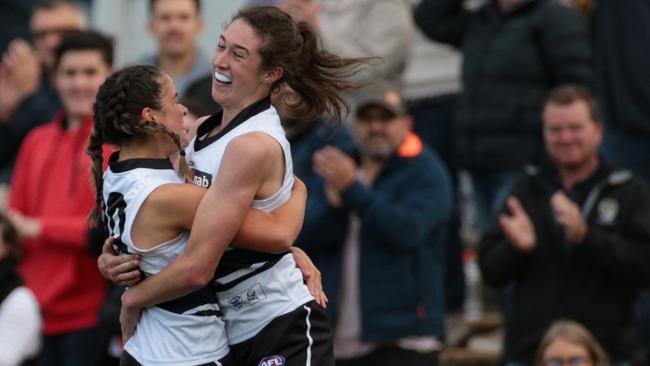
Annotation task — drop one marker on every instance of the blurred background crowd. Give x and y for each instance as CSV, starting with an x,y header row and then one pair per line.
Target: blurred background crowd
x,y
485,202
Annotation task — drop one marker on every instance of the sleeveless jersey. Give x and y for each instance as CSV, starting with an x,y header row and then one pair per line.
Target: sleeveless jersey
x,y
253,288
185,331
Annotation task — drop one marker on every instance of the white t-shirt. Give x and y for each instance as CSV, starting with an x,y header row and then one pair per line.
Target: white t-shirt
x,y
20,327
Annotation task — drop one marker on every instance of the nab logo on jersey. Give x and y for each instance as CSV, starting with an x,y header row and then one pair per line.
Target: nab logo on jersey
x,y
201,179
272,361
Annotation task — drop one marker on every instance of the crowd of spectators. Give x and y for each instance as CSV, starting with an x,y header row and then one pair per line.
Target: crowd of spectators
x,y
543,104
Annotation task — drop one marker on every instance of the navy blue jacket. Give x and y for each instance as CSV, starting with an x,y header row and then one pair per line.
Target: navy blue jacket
x,y
318,214
324,226
401,257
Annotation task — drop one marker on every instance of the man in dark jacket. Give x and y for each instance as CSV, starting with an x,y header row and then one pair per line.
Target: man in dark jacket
x,y
389,309
514,51
574,239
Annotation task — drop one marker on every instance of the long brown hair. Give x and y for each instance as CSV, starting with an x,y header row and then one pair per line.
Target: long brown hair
x,y
118,105
315,74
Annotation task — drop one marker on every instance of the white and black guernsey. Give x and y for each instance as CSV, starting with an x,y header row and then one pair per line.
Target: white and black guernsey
x,y
253,288
185,331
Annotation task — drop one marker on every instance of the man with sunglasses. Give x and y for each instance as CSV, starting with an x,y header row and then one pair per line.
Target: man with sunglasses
x,y
398,195
27,98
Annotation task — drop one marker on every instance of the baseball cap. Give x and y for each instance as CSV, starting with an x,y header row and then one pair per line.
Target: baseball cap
x,y
379,94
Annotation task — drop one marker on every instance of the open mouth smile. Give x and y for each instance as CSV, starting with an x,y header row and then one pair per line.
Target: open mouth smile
x,y
222,78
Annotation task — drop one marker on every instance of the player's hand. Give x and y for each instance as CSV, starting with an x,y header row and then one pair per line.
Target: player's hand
x,y
123,270
517,226
312,276
128,320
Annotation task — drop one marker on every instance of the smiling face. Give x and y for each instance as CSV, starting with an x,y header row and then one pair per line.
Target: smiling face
x,y
176,25
238,78
77,79
571,136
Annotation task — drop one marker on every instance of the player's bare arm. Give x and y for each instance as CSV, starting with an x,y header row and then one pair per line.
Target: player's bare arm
x,y
240,178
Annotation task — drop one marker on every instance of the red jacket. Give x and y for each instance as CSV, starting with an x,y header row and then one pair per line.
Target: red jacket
x,y
51,182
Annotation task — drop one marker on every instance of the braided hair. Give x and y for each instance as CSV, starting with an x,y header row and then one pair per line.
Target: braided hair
x,y
117,115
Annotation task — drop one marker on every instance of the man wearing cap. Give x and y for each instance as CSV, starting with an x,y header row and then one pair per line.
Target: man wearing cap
x,y
389,305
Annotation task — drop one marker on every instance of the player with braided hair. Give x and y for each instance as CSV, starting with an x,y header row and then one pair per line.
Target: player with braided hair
x,y
270,316
114,123
149,209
